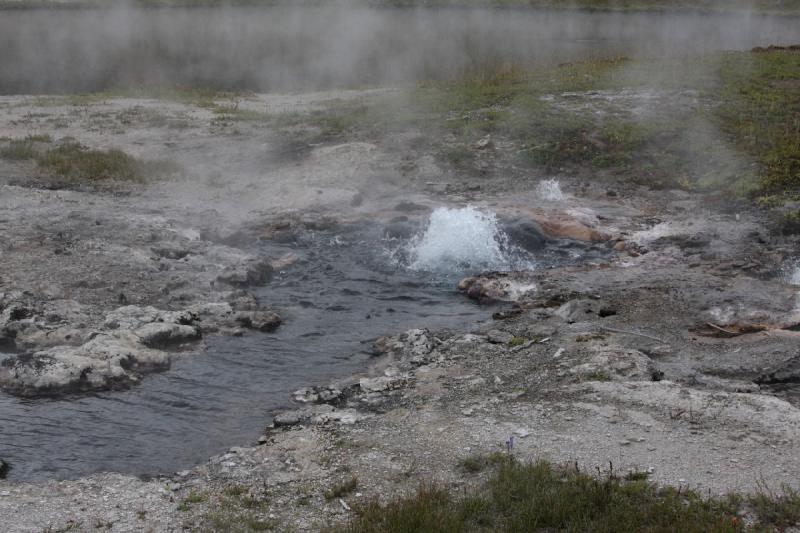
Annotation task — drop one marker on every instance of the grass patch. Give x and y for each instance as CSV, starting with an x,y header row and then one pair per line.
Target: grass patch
x,y
342,489
23,149
597,375
542,497
760,110
238,509
474,464
516,341
76,163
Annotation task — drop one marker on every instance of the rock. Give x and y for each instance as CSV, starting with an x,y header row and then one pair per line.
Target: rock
x,y
252,273
106,361
341,416
609,364
400,229
499,337
483,143
379,384
131,317
787,372
161,334
170,252
417,344
578,310
265,321
298,416
567,226
284,261
4,468
317,395
525,233
498,286
409,207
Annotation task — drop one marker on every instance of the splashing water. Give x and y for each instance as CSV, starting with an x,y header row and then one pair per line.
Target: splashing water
x,y
461,240
549,190
794,277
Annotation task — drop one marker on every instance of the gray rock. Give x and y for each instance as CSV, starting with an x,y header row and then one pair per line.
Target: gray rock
x,y
525,234
499,337
300,416
253,273
106,361
259,320
162,335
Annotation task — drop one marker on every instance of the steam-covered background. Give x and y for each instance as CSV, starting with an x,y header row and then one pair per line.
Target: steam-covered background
x,y
294,48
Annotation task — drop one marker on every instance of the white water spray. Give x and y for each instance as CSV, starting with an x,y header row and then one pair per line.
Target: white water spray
x,y
550,190
461,240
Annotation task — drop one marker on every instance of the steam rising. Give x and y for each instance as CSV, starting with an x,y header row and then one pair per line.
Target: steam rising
x,y
300,48
461,240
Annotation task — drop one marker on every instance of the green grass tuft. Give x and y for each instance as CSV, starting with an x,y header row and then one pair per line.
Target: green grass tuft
x,y
542,497
342,489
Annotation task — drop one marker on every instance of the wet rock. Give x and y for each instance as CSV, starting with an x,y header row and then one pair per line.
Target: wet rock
x,y
685,241
253,273
106,361
525,234
162,335
265,321
567,226
498,286
4,468
400,229
131,317
417,344
317,395
380,383
300,416
170,252
284,261
410,207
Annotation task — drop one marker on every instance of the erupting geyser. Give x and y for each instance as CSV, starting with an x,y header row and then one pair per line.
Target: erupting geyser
x,y
461,240
549,190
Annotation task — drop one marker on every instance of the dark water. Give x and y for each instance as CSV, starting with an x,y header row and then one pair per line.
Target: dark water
x,y
343,292
283,48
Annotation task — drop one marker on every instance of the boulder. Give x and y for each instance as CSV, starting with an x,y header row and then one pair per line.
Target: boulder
x,y
162,334
525,234
265,321
568,226
251,273
106,361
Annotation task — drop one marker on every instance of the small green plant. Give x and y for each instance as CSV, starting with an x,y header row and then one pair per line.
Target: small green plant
x,y
191,499
235,490
516,341
542,497
474,464
342,489
597,375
